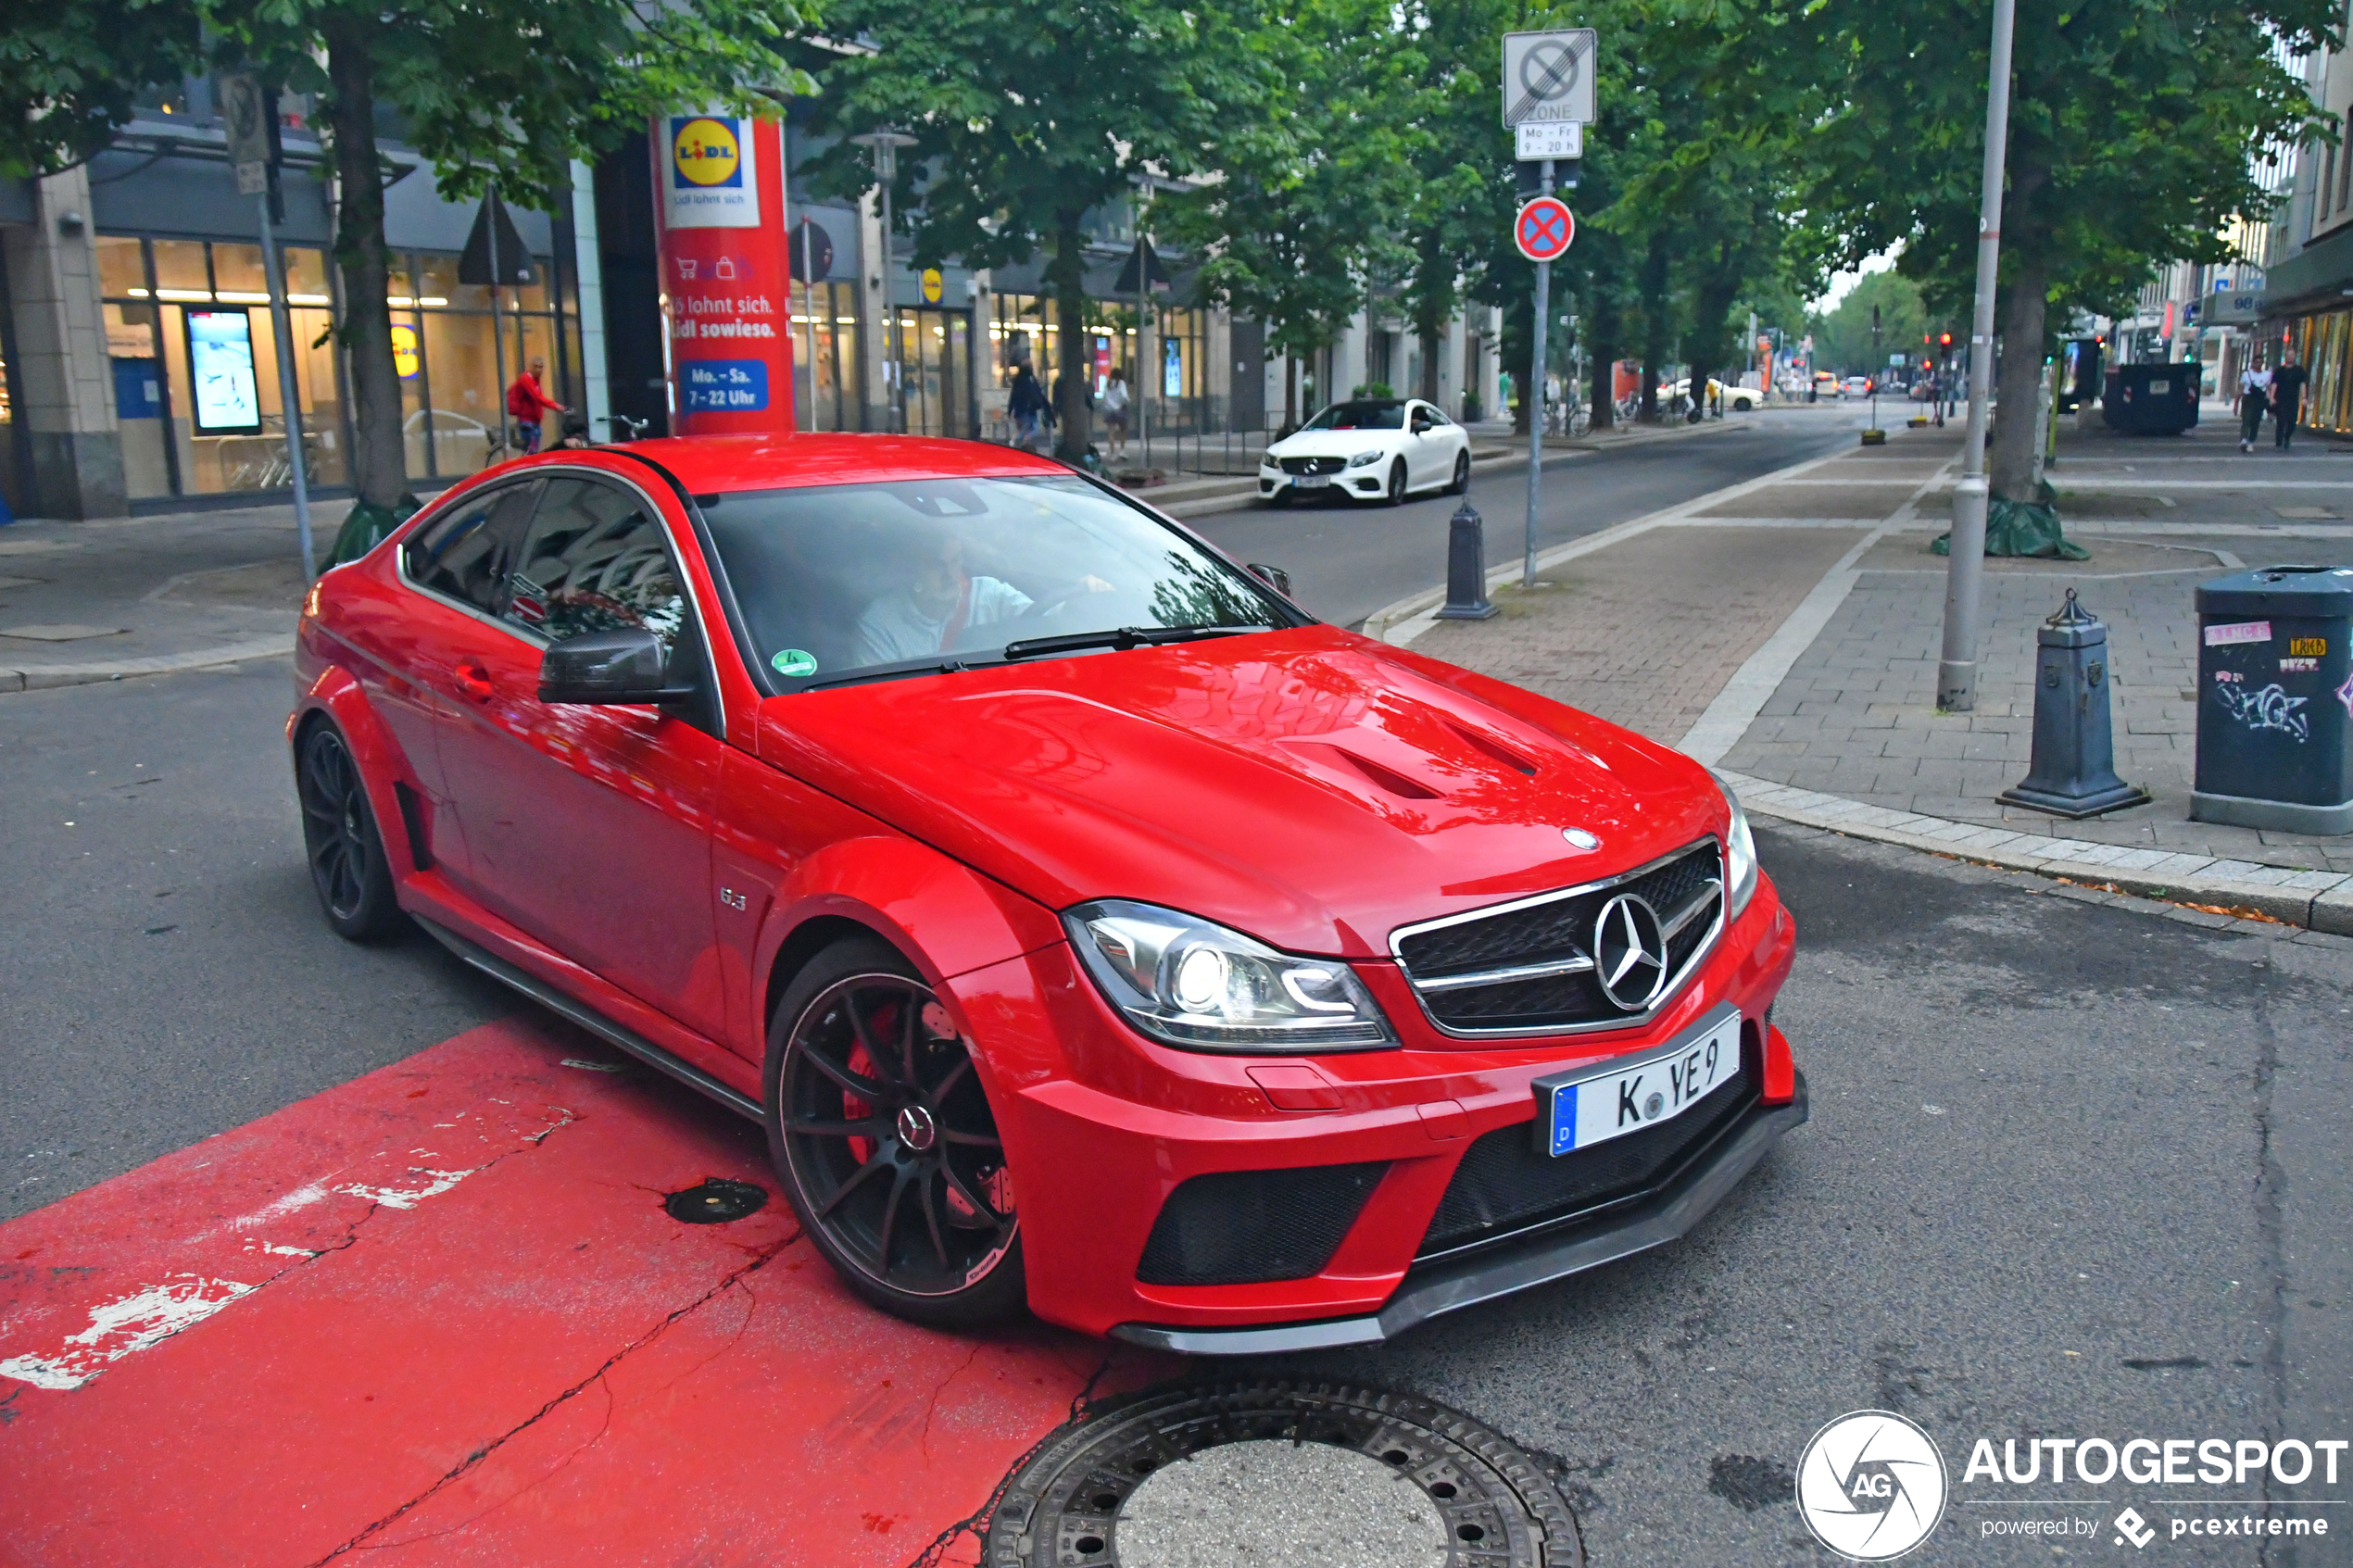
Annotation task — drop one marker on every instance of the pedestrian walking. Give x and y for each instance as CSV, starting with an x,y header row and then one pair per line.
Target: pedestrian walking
x,y
528,401
1115,405
1025,402
2288,399
2254,401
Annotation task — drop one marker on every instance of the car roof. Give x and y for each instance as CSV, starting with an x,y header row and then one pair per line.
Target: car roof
x,y
717,464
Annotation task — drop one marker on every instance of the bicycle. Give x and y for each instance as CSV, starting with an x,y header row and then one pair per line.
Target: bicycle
x,y
636,428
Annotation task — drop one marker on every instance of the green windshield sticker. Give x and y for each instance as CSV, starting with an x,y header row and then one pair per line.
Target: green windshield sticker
x,y
795,662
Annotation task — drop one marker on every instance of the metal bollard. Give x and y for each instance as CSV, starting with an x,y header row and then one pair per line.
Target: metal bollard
x,y
2073,770
1465,567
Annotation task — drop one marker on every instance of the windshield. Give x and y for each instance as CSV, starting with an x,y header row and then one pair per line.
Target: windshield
x,y
838,579
1361,416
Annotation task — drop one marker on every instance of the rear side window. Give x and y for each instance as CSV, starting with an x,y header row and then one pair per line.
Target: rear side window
x,y
464,554
595,560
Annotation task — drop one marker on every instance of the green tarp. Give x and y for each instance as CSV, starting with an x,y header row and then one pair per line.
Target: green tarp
x,y
2023,528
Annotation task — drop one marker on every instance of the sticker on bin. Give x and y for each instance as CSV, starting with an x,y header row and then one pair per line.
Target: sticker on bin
x,y
2238,632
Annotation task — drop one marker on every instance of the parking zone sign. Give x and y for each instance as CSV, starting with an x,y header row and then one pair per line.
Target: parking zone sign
x,y
1544,228
1549,76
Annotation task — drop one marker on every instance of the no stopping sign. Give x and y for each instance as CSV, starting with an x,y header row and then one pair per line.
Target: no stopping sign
x,y
1544,228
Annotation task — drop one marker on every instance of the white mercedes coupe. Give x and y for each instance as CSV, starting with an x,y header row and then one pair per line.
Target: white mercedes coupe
x,y
1368,449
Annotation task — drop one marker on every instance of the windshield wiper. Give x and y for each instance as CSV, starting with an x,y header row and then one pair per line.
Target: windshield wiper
x,y
943,664
1121,637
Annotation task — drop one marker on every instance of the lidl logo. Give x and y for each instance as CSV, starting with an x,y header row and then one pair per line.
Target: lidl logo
x,y
404,349
704,153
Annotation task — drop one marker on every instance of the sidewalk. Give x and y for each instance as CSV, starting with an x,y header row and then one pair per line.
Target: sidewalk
x,y
1787,630
102,601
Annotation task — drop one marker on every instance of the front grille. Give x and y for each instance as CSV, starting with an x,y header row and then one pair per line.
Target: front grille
x,y
1528,967
1247,1227
1505,1185
1314,465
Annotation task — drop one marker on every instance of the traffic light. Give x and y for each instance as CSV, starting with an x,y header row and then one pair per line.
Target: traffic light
x,y
1944,340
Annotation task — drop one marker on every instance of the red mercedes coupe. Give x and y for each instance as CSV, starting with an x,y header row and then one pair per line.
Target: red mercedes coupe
x,y
1090,927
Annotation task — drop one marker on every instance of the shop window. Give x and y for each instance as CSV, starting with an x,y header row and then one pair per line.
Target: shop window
x,y
181,272
137,366
238,276
123,268
307,277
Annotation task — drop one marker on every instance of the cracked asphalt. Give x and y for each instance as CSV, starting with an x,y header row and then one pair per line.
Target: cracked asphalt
x,y
2075,1169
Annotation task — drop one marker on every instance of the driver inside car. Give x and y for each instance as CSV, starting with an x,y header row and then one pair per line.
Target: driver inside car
x,y
939,603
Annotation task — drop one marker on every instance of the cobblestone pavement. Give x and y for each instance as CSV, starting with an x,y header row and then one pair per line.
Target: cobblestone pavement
x,y
1652,630
1645,633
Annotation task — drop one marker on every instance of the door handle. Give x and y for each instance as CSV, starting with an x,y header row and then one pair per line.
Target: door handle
x,y
473,680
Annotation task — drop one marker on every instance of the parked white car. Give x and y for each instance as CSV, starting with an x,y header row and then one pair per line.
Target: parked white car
x,y
1368,449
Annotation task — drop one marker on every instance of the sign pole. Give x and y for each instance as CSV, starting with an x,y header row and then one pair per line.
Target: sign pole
x,y
289,394
1957,671
1536,408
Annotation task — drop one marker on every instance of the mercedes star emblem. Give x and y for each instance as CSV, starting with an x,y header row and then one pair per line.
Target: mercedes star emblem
x,y
1630,953
1579,838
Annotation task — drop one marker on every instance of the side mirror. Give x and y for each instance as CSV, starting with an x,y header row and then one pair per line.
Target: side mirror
x,y
627,665
1275,577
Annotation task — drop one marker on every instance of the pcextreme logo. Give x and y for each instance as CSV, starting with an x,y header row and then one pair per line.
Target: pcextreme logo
x,y
705,153
1872,1486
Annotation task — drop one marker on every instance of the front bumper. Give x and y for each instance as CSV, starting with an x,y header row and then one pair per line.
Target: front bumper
x,y
1357,484
1661,1216
1102,1129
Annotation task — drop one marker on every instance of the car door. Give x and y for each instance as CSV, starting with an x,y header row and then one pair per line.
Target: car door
x,y
589,826
455,563
1425,448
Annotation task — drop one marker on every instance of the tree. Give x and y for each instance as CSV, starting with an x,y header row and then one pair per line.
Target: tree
x,y
1029,117
1296,222
70,70
501,92
1843,335
2134,129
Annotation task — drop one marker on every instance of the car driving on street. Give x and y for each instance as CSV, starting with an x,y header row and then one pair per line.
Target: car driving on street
x,y
1371,449
1090,927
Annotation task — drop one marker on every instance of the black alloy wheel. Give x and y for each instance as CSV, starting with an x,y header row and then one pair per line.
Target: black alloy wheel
x,y
1460,484
347,864
885,1139
1396,497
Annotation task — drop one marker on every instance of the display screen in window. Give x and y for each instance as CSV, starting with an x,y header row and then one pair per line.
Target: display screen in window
x,y
224,394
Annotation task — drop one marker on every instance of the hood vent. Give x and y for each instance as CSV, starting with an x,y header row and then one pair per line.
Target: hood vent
x,y
1489,746
1390,779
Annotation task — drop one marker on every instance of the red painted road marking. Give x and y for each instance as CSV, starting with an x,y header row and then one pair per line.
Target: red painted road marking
x,y
439,1315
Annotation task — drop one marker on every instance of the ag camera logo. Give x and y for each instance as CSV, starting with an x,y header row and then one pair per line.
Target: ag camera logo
x,y
1872,1486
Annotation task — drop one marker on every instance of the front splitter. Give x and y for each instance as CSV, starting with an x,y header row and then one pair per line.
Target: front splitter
x,y
1665,1215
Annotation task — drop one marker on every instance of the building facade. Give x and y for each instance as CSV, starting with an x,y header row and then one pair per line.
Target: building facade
x,y
128,283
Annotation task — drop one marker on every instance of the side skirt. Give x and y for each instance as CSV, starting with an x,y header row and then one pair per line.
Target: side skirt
x,y
597,1023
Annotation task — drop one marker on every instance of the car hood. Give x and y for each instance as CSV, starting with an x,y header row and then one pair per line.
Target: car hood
x,y
1335,443
1311,787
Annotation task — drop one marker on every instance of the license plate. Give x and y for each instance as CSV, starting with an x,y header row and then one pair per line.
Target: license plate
x,y
1587,1106
1311,481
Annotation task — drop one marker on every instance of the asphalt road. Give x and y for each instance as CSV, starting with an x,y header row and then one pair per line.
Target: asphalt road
x,y
2073,1170
1348,559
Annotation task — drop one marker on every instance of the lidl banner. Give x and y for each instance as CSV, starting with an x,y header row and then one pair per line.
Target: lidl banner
x,y
726,277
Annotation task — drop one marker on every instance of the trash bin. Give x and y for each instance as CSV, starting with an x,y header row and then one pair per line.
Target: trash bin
x,y
2275,699
2151,399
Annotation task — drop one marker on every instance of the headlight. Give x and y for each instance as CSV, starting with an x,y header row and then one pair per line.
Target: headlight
x,y
1201,986
1740,858
1364,459
1267,461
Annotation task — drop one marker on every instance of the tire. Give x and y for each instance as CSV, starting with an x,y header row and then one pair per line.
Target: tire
x,y
1395,495
348,868
1460,484
886,1144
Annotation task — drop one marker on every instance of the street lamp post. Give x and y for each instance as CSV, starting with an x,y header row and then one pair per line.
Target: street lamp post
x,y
884,145
1957,671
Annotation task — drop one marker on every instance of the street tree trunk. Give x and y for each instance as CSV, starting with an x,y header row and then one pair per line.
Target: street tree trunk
x,y
1290,393
379,467
1428,391
2010,468
1654,323
1069,270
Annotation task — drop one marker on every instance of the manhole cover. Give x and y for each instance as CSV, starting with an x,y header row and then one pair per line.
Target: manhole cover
x,y
1219,1472
715,1201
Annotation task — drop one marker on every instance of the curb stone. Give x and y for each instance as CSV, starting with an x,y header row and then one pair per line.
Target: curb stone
x,y
35,678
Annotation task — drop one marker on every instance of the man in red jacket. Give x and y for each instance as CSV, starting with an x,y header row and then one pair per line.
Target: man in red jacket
x,y
527,401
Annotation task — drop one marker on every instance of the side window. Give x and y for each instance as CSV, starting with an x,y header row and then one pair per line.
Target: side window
x,y
465,552
595,560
